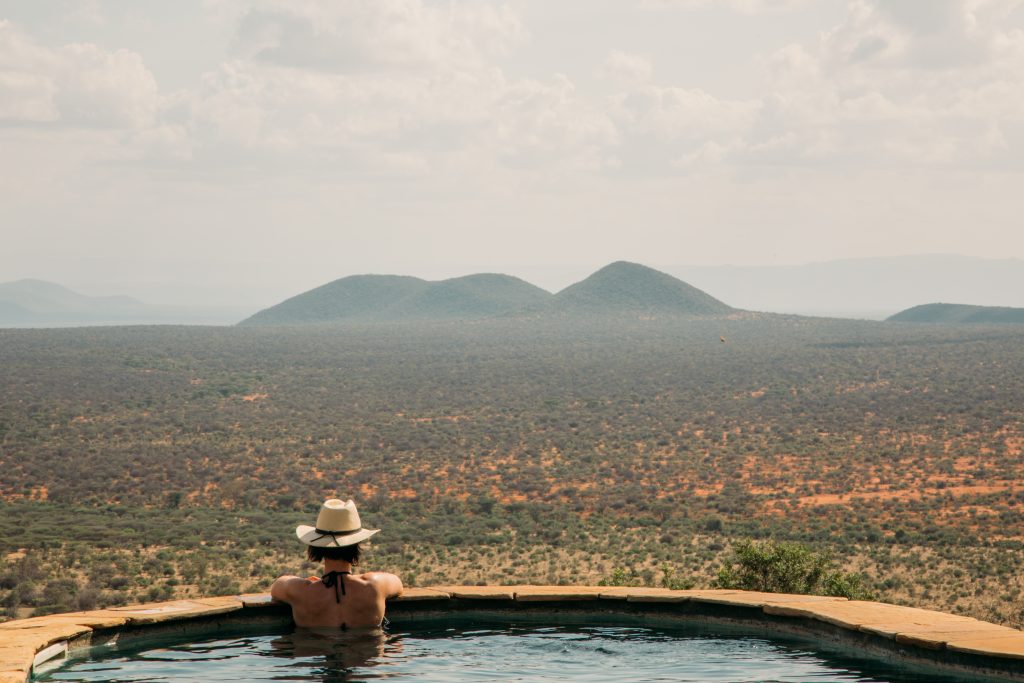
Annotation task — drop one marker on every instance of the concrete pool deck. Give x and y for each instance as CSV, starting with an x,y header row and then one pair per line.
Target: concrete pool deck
x,y
957,644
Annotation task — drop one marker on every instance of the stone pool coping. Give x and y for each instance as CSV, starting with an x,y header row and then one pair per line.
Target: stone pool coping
x,y
924,637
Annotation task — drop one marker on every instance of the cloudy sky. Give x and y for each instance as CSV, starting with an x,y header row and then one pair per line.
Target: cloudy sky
x,y
237,151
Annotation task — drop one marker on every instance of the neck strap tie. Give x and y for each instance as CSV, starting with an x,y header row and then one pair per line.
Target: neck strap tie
x,y
335,580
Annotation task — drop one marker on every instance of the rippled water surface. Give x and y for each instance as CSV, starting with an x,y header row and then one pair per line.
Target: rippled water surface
x,y
505,652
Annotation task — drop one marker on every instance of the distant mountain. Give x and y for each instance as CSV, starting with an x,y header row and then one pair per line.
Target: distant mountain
x,y
862,287
357,297
959,313
475,296
41,298
41,302
382,298
37,303
14,314
615,289
624,287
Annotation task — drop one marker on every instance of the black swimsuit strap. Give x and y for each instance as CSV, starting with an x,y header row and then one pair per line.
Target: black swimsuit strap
x,y
335,580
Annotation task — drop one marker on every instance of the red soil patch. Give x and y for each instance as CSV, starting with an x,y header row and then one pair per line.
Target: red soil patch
x,y
708,491
906,494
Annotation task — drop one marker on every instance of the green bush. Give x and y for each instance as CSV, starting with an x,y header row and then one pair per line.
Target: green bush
x,y
636,578
670,579
787,568
622,577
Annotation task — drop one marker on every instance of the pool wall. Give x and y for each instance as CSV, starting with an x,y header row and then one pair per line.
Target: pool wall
x,y
917,637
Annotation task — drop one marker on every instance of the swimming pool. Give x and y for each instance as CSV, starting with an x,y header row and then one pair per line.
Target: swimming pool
x,y
484,649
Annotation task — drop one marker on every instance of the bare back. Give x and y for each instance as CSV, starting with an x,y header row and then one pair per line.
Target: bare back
x,y
357,603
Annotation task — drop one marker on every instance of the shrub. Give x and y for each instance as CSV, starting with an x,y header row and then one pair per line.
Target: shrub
x,y
622,577
787,568
670,579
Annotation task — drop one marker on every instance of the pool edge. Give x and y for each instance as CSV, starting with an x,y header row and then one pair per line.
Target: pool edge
x,y
920,637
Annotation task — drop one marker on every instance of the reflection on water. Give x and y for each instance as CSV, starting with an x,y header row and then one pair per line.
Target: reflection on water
x,y
334,656
502,652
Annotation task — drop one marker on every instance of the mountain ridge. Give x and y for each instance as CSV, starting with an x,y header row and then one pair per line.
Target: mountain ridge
x,y
623,286
41,303
33,301
42,296
616,289
959,313
388,298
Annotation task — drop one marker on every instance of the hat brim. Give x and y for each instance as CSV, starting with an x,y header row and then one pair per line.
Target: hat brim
x,y
310,536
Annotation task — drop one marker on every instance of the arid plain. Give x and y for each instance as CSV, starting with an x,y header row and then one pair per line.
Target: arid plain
x,y
151,462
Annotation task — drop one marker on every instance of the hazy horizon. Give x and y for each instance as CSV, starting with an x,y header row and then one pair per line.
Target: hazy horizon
x,y
551,278
869,288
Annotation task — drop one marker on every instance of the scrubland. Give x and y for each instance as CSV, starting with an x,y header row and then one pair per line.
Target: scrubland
x,y
154,462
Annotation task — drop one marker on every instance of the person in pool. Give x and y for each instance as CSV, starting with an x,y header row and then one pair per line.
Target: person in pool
x,y
339,598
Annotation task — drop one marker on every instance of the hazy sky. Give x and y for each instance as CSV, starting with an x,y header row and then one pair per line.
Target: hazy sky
x,y
246,150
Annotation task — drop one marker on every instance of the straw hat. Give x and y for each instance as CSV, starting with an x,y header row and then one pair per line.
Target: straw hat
x,y
337,526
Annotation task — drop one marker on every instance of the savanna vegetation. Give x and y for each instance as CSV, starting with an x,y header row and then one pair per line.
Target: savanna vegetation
x,y
152,462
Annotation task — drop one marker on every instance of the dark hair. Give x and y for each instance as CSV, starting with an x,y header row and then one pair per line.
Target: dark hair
x,y
348,553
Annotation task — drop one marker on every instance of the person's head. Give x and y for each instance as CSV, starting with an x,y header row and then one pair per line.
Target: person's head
x,y
348,553
337,534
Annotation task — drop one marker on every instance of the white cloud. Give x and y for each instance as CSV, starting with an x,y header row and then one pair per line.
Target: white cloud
x,y
936,83
371,35
926,83
415,87
412,123
27,89
170,142
547,125
76,85
26,97
679,113
741,6
932,34
97,87
627,68
400,86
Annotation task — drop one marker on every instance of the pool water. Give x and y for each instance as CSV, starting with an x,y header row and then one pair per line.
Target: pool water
x,y
488,652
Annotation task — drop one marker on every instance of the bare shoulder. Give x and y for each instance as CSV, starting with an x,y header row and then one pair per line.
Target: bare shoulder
x,y
386,582
286,587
